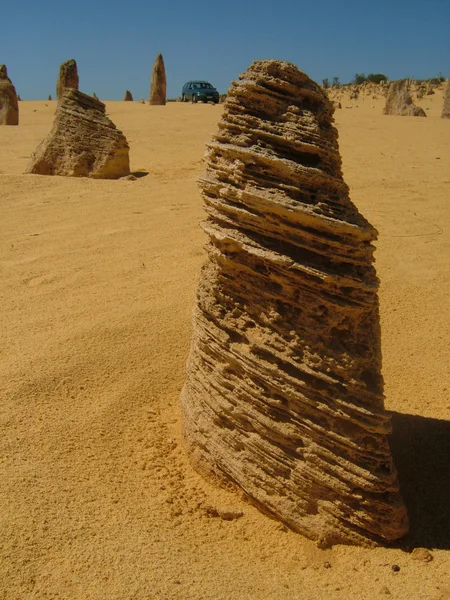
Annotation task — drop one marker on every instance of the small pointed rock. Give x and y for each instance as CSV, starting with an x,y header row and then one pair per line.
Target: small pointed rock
x,y
49,96
128,97
83,142
158,83
9,107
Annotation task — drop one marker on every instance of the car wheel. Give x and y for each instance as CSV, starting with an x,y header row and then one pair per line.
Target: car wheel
x,y
183,98
194,98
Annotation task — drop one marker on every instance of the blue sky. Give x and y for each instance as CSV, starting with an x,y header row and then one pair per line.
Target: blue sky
x,y
115,43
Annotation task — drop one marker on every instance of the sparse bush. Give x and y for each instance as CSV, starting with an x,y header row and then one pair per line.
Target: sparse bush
x,y
376,77
336,82
325,83
359,78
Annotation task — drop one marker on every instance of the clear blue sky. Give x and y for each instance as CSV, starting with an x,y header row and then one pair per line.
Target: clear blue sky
x,y
116,42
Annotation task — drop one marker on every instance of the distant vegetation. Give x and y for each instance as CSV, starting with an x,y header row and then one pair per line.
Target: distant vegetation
x,y
360,78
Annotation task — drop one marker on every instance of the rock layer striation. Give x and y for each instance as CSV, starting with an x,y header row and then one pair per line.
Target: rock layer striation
x,y
67,78
83,142
9,105
284,394
399,101
158,82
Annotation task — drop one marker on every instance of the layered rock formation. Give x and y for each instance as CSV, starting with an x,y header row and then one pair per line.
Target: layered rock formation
x,y
68,78
284,394
446,105
83,142
128,97
399,101
158,83
9,106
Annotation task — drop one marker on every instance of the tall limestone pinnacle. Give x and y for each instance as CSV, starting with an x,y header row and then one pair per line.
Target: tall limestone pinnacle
x,y
67,78
445,114
284,394
9,106
158,83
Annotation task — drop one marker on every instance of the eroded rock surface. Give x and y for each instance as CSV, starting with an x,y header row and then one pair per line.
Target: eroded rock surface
x,y
68,78
446,105
9,105
83,142
399,101
284,394
158,82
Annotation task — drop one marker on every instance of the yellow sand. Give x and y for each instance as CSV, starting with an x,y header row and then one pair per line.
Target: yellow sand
x,y
97,498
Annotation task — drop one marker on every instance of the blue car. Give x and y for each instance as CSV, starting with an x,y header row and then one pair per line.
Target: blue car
x,y
199,90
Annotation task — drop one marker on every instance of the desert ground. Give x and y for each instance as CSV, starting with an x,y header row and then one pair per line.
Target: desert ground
x,y
98,500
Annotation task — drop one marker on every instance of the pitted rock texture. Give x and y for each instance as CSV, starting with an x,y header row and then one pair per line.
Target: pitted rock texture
x,y
128,97
83,142
284,394
446,105
9,106
399,101
158,83
68,78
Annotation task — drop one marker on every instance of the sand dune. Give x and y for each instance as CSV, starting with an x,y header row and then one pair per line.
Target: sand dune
x,y
97,498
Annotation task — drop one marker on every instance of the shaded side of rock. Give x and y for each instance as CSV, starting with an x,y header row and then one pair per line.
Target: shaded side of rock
x,y
67,78
83,142
399,101
158,83
284,394
9,102
128,97
446,104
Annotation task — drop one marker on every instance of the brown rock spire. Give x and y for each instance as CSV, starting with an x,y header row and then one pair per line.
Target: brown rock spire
x,y
128,97
9,106
399,101
158,82
68,78
83,142
284,393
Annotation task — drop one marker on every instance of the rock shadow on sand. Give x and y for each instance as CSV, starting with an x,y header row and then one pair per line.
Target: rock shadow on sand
x,y
421,450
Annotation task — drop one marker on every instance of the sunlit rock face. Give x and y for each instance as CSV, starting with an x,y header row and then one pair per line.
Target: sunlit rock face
x,y
399,101
284,394
67,78
83,142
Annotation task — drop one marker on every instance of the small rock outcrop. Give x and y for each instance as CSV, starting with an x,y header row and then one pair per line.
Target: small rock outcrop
x,y
49,97
284,394
399,101
446,105
9,106
68,78
158,83
94,95
128,97
83,142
